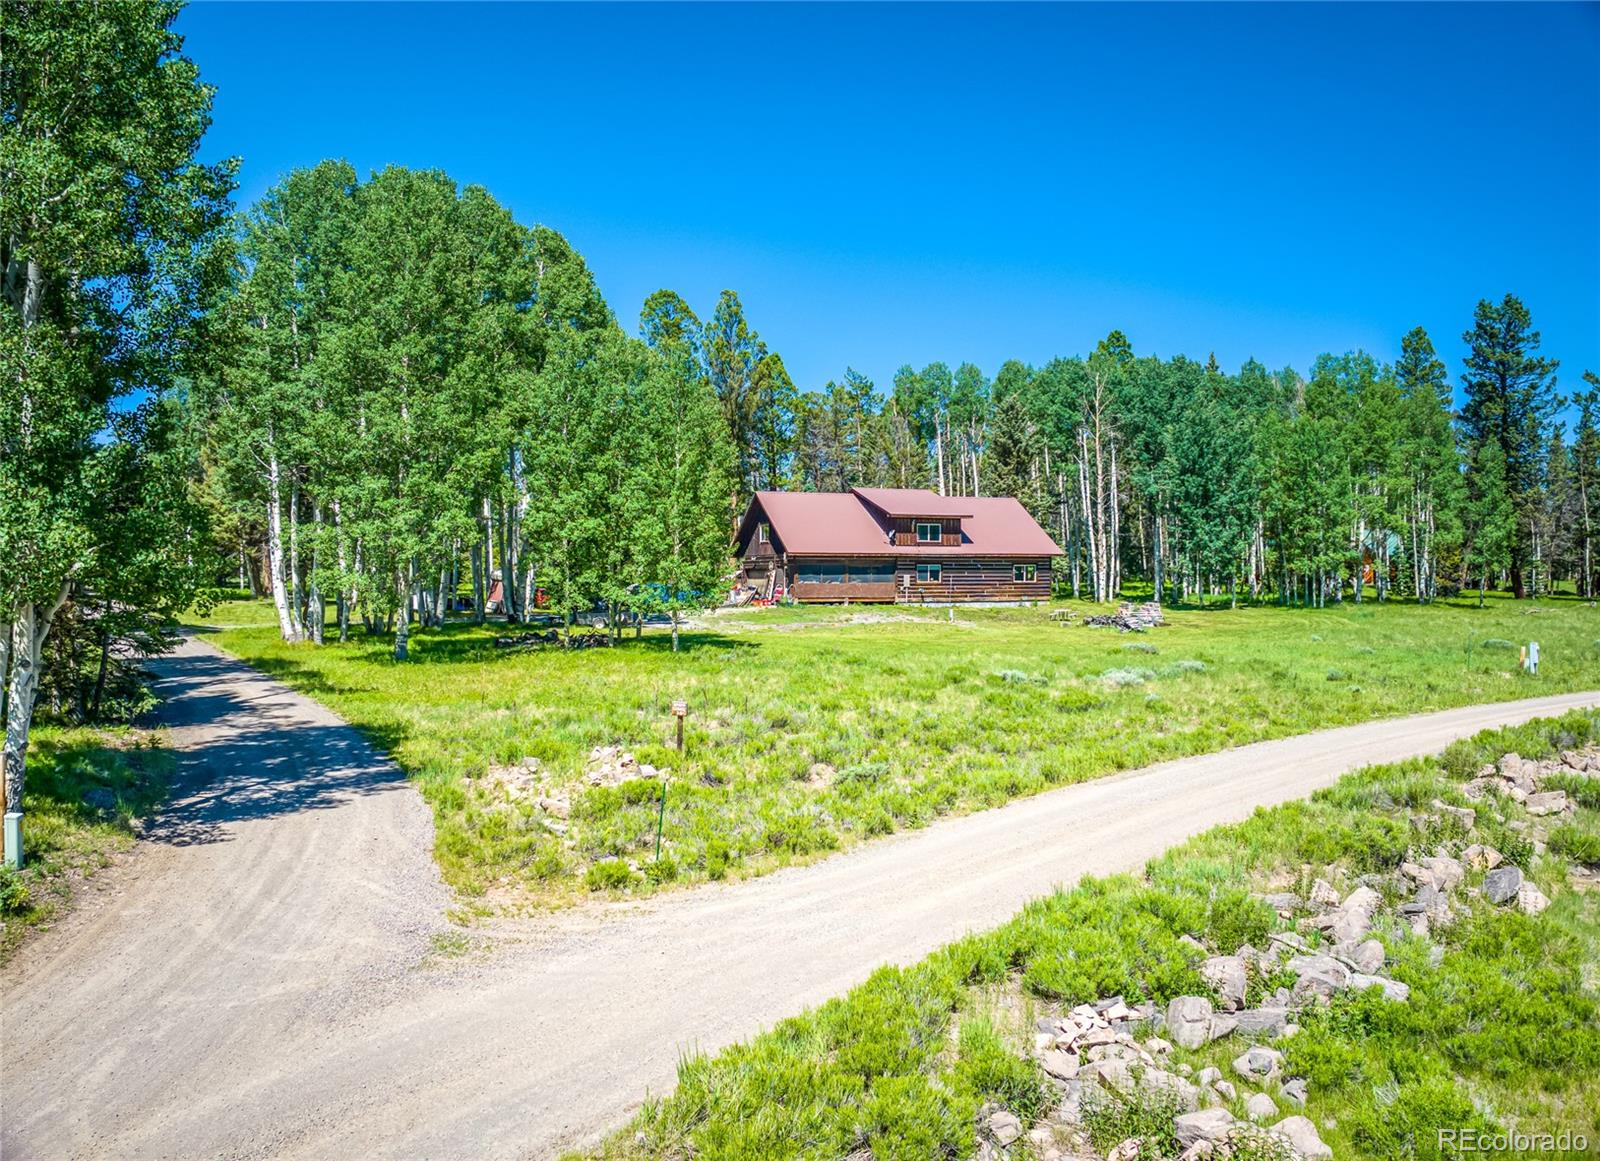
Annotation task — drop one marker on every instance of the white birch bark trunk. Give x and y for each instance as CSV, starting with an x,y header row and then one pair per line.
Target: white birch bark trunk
x,y
288,625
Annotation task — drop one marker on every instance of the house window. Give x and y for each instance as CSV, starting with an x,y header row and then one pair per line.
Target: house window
x,y
820,572
763,533
1024,572
930,573
929,532
872,574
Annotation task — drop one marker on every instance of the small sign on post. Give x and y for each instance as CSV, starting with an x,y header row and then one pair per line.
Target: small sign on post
x,y
680,710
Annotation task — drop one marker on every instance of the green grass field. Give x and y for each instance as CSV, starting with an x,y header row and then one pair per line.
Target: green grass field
x,y
85,787
811,729
1501,1029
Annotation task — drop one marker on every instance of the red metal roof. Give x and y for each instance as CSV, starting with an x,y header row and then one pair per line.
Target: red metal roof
x,y
841,524
914,502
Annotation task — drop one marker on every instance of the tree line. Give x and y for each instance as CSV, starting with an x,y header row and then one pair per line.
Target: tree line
x,y
1359,480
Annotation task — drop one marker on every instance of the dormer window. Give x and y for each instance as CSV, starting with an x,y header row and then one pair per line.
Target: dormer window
x,y
929,532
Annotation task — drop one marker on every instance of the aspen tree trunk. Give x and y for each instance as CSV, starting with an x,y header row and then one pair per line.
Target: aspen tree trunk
x,y
314,589
938,451
20,664
402,628
288,623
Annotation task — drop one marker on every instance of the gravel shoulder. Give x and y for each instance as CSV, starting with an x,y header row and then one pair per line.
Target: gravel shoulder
x,y
260,978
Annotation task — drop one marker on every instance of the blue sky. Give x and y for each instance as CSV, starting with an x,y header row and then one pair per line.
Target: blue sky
x,y
899,184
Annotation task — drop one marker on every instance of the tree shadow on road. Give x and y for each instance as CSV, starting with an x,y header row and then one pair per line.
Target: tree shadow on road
x,y
251,761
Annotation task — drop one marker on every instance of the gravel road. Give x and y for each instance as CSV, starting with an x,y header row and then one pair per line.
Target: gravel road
x,y
256,981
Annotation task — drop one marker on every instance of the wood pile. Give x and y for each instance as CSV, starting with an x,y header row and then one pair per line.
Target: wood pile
x,y
1129,618
554,637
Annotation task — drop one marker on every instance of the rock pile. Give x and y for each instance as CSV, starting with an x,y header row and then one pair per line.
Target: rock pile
x,y
1112,1049
1129,618
612,766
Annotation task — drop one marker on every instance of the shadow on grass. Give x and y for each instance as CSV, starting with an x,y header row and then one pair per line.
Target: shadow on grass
x,y
249,761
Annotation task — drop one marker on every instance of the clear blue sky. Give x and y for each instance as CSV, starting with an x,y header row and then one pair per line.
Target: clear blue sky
x,y
888,185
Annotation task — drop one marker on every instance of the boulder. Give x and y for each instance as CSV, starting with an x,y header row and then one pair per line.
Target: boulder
x,y
1226,973
1465,815
1501,884
1204,1125
1302,1134
1112,1074
1189,1021
1208,1076
1282,901
1392,989
1367,956
1259,1063
1158,1080
1003,1126
1546,802
1294,1091
1225,1090
1447,872
1320,976
1262,1021
1323,895
1531,900
1061,1065
1156,1046
1482,858
1222,1024
1354,917
1260,1107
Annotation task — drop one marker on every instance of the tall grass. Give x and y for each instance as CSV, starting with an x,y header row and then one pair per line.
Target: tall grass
x,y
917,714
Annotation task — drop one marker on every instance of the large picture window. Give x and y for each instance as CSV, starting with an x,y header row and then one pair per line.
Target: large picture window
x,y
1024,572
820,572
872,574
929,532
930,573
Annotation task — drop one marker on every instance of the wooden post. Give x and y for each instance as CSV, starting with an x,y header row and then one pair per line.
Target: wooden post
x,y
680,710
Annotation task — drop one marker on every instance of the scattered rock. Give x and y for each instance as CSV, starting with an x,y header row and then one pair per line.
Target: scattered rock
x,y
1320,976
1501,884
1302,1134
1367,956
1262,1021
1157,1080
1531,900
1225,1089
1004,1127
1222,1025
1260,1107
1282,901
1482,858
1355,914
1259,1063
1061,1065
1462,814
1392,989
1189,1021
1226,973
1323,895
1294,1091
1547,802
1156,1046
1204,1125
1208,1076
1447,872
820,776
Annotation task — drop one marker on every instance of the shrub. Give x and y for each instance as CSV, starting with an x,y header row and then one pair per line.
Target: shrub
x,y
1336,675
991,1070
1584,791
1140,647
1122,678
14,898
909,1118
662,870
1499,643
1579,845
608,875
1146,1113
1183,665
1017,677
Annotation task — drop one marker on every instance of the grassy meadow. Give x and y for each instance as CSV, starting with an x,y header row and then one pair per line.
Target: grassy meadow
x,y
810,729
1501,1029
85,787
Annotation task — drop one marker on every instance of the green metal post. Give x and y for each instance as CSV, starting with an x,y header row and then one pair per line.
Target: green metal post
x,y
661,818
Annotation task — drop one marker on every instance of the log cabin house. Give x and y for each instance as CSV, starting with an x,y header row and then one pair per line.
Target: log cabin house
x,y
905,545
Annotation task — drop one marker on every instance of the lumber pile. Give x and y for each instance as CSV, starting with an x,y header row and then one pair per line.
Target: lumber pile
x,y
1129,618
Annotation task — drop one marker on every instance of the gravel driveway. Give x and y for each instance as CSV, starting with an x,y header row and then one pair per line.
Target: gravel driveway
x,y
256,981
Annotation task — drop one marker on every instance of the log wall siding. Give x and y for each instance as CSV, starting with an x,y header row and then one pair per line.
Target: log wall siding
x,y
962,579
905,531
969,578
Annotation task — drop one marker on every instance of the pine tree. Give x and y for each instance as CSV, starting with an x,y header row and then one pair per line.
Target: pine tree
x,y
1510,401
